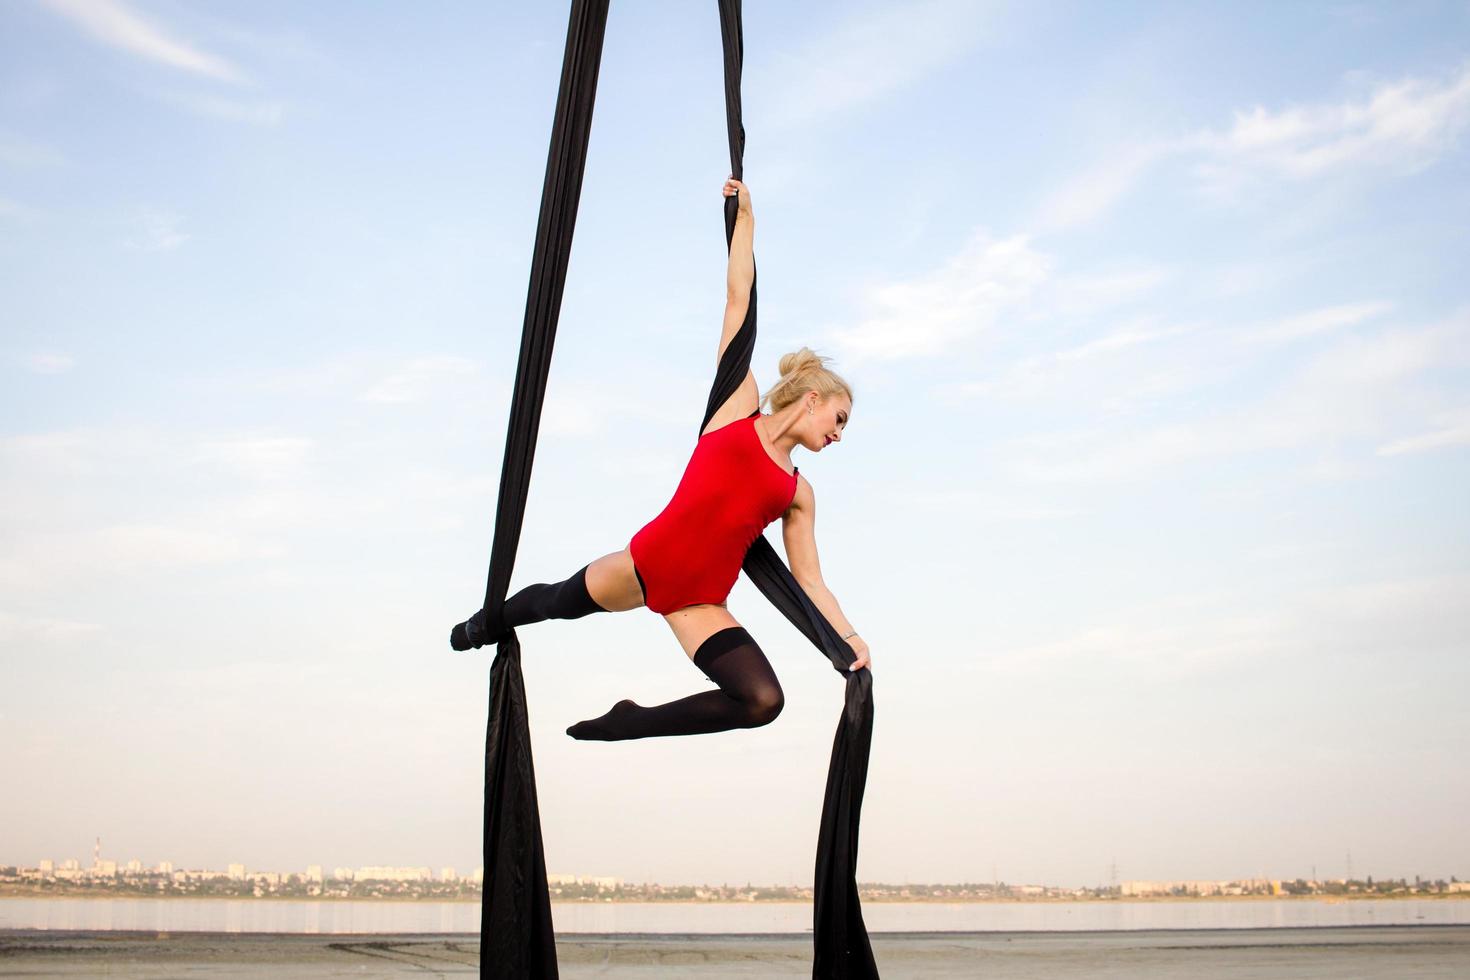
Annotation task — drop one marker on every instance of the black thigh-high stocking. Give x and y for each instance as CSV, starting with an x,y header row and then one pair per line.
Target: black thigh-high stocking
x,y
749,696
568,599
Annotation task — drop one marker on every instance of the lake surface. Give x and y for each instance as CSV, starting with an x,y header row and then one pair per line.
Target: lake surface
x,y
426,918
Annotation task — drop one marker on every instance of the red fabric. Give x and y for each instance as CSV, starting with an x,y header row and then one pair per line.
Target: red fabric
x,y
731,489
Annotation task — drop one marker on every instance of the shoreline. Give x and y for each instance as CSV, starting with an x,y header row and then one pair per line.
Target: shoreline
x,y
190,935
48,894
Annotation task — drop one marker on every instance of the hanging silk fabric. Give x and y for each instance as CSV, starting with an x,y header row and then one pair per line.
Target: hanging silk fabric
x,y
516,938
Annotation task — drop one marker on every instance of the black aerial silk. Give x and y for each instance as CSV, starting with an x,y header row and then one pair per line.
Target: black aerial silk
x,y
516,939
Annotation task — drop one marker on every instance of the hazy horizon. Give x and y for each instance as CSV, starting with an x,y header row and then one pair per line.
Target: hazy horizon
x,y
1152,505
469,873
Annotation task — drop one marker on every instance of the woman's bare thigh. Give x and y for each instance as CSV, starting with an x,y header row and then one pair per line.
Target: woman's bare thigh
x,y
695,624
612,583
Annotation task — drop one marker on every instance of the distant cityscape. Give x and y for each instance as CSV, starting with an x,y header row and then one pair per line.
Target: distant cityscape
x,y
105,877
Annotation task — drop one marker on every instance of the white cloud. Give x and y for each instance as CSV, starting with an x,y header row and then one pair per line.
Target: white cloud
x,y
1362,388
156,231
50,362
874,52
1404,125
113,23
1089,293
1453,430
1091,374
1120,340
960,299
1316,322
419,378
1089,195
288,44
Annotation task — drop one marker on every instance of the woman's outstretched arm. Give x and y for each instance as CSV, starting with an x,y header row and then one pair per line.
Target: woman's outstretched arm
x,y
739,278
741,272
798,531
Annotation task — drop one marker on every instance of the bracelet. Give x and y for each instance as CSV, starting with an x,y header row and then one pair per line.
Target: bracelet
x,y
853,633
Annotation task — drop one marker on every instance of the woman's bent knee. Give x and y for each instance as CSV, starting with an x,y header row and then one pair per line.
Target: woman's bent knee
x,y
765,706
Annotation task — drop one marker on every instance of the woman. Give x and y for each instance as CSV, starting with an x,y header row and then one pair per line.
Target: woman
x,y
684,562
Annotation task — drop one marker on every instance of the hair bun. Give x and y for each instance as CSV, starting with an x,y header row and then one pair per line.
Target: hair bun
x,y
802,371
799,361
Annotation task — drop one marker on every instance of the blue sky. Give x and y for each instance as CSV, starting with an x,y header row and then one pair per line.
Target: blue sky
x,y
1152,506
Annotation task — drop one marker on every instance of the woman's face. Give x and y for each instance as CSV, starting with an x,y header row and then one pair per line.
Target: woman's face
x,y
827,420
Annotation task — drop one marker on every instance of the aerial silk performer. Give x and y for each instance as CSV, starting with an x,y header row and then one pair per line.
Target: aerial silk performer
x,y
682,565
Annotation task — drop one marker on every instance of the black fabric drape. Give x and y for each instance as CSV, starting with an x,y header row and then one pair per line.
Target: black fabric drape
x,y
516,938
840,939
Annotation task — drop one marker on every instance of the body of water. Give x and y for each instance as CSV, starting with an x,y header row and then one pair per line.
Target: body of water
x,y
422,918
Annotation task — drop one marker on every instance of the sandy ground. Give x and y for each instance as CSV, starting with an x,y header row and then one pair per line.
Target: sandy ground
x,y
1367,953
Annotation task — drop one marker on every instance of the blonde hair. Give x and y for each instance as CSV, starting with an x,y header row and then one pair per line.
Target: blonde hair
x,y
803,371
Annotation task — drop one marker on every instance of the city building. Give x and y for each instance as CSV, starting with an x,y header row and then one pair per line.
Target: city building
x,y
382,873
1244,886
595,882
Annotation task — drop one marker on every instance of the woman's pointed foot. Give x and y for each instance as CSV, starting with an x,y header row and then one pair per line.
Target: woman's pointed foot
x,y
611,727
474,633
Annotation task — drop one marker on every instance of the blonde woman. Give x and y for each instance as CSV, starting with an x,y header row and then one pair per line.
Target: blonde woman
x,y
684,562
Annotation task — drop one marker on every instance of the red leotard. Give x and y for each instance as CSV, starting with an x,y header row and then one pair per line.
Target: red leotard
x,y
691,552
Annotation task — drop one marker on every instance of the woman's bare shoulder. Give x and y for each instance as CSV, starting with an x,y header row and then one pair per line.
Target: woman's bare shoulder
x,y
805,498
